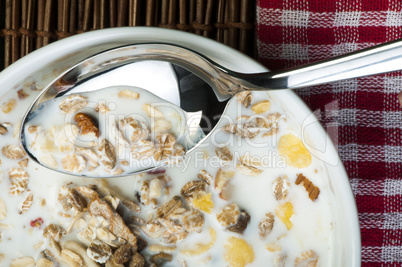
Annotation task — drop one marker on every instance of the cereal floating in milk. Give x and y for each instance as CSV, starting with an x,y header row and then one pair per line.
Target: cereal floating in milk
x,y
252,196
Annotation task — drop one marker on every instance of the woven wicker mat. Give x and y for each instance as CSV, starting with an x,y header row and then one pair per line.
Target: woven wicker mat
x,y
30,24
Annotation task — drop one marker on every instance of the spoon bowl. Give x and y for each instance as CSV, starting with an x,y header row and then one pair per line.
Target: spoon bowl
x,y
223,83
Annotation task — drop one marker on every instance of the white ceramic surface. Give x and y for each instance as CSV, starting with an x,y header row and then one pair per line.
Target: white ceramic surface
x,y
51,60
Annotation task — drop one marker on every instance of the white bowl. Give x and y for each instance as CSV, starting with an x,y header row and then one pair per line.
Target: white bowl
x,y
51,60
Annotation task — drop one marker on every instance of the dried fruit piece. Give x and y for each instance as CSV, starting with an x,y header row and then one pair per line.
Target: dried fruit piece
x,y
229,215
23,262
241,223
107,154
224,153
37,223
201,248
266,224
193,221
312,190
54,231
261,107
73,103
284,212
74,163
307,259
280,187
3,209
86,124
99,252
127,93
244,98
203,202
294,151
13,152
238,252
227,191
9,106
26,204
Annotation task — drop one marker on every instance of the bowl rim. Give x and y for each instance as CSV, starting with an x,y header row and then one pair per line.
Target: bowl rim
x,y
219,52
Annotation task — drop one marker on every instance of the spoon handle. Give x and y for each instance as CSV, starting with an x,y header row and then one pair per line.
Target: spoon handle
x,y
370,61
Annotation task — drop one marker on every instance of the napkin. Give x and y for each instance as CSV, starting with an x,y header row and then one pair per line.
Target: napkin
x,y
363,116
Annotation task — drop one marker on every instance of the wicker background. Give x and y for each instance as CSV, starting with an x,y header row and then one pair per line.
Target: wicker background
x,y
27,25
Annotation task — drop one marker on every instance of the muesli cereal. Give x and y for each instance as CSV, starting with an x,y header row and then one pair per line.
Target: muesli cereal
x,y
226,206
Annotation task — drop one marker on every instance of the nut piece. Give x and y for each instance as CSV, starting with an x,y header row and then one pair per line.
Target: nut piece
x,y
261,107
245,98
3,209
137,260
99,252
13,152
155,188
107,154
126,93
266,224
86,124
73,103
280,187
23,262
161,258
312,190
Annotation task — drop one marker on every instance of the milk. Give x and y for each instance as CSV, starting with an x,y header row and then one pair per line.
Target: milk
x,y
312,220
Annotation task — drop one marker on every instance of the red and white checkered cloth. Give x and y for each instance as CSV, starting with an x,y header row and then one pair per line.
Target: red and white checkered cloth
x,y
369,118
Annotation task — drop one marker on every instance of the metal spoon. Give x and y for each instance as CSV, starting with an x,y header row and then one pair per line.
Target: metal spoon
x,y
224,83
